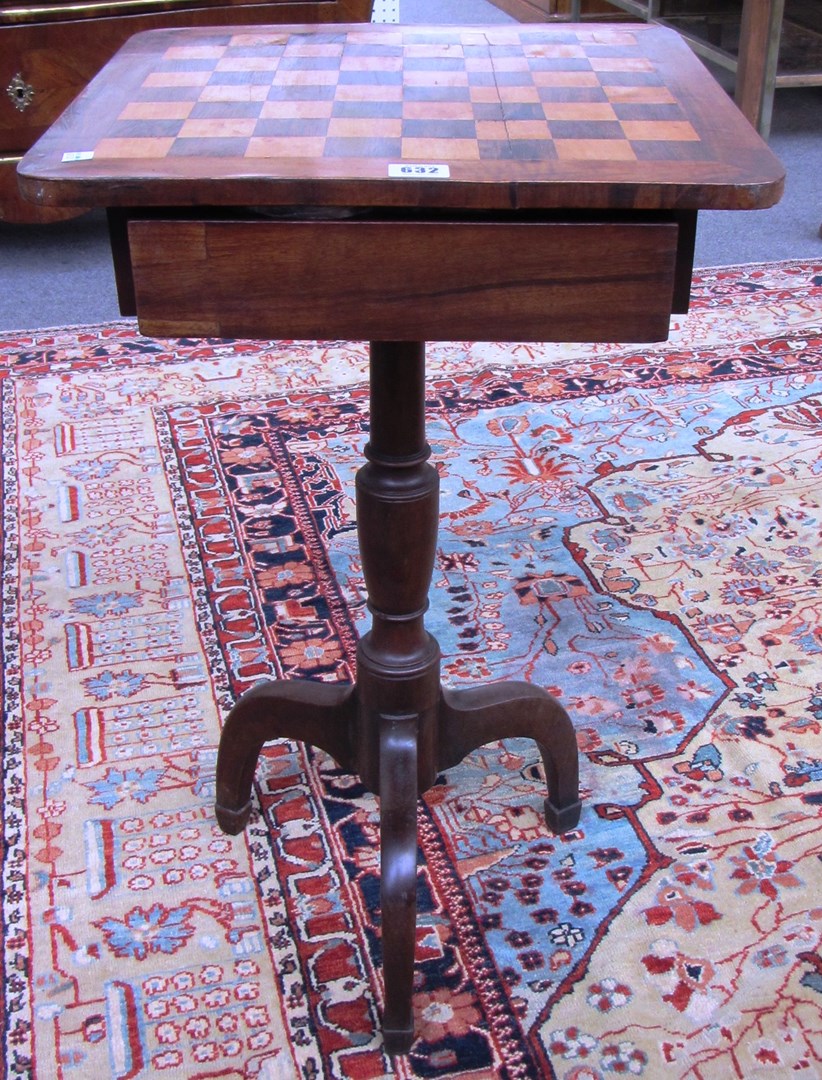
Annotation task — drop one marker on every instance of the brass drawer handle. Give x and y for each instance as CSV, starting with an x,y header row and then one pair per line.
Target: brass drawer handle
x,y
20,92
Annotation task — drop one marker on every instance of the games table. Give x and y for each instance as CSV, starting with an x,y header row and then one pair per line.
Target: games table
x,y
402,185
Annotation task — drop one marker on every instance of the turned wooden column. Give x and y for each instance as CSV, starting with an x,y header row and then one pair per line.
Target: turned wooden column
x,y
398,661
397,523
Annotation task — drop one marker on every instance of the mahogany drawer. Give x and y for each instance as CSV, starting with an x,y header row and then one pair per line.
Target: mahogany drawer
x,y
403,280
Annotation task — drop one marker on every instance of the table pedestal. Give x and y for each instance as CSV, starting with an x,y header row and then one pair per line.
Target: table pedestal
x,y
397,727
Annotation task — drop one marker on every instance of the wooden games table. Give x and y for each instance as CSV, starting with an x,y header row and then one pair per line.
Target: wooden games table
x,y
402,185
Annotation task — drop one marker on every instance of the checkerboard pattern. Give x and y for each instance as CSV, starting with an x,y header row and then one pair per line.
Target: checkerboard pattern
x,y
400,94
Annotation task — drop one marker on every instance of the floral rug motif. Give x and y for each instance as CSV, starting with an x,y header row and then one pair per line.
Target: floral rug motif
x,y
637,529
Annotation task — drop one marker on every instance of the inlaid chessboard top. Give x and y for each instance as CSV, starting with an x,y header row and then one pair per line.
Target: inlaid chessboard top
x,y
531,116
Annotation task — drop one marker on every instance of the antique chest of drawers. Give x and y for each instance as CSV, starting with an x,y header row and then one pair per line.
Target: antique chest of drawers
x,y
49,50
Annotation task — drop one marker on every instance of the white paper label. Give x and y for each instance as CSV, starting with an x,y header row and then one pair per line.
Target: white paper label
x,y
79,155
410,171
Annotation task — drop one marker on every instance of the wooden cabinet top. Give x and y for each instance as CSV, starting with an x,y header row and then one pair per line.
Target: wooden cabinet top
x,y
496,117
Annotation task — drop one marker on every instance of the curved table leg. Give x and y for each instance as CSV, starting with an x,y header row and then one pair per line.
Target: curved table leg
x,y
398,870
317,713
478,715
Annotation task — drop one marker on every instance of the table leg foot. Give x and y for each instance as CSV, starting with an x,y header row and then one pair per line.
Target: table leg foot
x,y
316,713
398,880
474,716
397,1042
561,819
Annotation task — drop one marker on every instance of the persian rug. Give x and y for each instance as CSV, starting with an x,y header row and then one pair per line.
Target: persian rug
x,y
637,529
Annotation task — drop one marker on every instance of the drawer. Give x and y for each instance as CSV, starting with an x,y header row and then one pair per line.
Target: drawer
x,y
403,280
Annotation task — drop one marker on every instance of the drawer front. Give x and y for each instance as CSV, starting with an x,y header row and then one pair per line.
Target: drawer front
x,y
45,67
404,281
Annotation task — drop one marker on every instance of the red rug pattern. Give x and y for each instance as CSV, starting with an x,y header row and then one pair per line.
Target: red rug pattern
x,y
640,530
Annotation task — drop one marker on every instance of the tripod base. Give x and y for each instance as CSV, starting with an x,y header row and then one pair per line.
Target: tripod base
x,y
326,716
396,727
